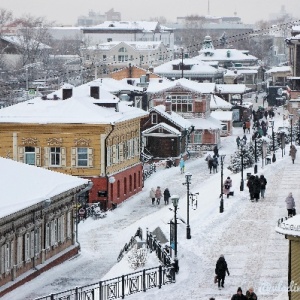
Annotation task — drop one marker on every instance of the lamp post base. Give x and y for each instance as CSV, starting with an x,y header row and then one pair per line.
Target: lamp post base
x,y
273,158
242,185
188,232
221,206
255,168
176,265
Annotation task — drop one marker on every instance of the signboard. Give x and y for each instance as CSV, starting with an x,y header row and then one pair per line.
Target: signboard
x,y
172,235
236,115
264,149
31,91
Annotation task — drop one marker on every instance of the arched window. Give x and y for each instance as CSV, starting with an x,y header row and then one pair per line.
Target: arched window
x,y
139,179
134,181
125,186
130,183
118,189
122,50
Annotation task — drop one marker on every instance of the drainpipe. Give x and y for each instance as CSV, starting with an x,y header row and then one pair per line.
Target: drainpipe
x,y
107,179
86,189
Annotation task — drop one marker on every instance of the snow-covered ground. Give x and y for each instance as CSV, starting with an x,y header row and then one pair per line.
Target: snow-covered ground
x,y
245,233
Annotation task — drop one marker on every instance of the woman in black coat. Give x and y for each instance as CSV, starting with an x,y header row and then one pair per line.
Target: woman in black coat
x,y
221,269
250,186
167,196
256,188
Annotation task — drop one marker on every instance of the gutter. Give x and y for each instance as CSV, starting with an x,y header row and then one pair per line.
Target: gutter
x,y
87,188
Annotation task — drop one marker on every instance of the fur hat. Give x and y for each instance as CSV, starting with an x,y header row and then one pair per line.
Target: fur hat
x,y
239,289
222,255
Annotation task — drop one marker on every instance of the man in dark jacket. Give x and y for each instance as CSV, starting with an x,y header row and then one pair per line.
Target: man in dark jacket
x,y
221,269
239,295
256,188
250,186
167,196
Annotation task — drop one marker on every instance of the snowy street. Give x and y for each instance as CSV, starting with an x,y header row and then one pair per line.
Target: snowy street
x,y
245,234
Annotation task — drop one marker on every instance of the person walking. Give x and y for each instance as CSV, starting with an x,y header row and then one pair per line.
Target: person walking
x,y
292,153
290,205
181,165
248,125
227,185
220,271
158,195
216,151
256,188
250,295
244,139
250,186
167,196
210,164
239,295
244,127
263,184
238,141
215,164
152,195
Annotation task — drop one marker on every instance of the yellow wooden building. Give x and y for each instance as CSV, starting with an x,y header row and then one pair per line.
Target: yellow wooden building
x,y
82,132
290,227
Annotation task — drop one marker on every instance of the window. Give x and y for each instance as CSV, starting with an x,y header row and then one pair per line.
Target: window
x,y
27,246
125,186
154,118
122,58
69,221
182,103
30,155
197,138
118,189
82,157
104,57
19,250
54,156
130,183
123,49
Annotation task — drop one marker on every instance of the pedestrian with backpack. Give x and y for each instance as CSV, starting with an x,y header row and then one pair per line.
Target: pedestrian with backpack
x,y
220,271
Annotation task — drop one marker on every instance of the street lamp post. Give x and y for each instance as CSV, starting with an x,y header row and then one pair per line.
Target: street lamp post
x,y
291,119
181,62
175,201
255,152
298,126
273,140
188,178
242,165
222,200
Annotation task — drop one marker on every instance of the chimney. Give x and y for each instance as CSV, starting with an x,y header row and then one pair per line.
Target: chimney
x,y
95,92
151,69
147,76
168,105
67,93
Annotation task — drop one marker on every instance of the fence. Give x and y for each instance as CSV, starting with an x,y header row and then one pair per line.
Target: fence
x,y
130,244
118,287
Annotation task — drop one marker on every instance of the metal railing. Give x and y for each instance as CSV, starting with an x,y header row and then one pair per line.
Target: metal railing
x,y
128,246
118,287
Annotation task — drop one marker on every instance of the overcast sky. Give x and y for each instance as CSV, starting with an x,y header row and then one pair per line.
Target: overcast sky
x,y
66,12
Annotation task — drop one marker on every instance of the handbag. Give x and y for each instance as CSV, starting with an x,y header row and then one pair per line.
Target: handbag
x,y
216,279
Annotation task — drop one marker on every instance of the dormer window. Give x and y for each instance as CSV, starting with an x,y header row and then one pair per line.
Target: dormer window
x,y
154,118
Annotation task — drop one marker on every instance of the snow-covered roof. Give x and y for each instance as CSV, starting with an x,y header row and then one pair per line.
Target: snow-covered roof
x,y
34,185
198,68
113,86
172,116
129,25
222,115
169,128
139,45
280,70
226,55
246,71
217,102
157,86
19,41
232,88
79,109
208,123
291,226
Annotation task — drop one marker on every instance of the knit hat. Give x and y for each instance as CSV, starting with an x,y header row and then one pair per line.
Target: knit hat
x,y
221,255
239,290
